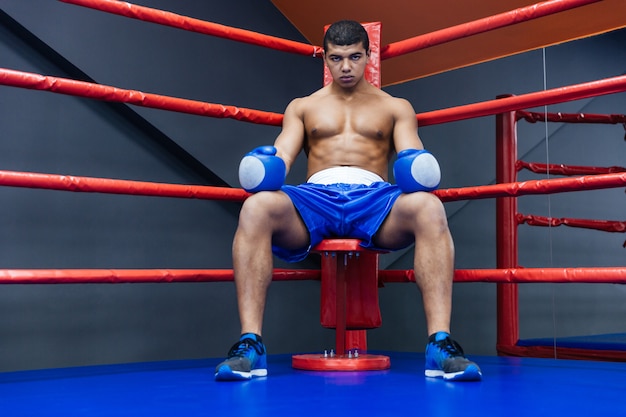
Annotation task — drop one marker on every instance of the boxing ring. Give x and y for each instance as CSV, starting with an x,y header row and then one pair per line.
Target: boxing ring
x,y
147,388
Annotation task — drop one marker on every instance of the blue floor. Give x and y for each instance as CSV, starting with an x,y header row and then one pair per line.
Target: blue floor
x,y
511,387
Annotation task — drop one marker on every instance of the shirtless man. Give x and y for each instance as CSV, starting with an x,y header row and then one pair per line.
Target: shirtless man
x,y
349,130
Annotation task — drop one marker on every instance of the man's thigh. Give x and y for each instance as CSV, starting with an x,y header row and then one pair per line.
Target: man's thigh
x,y
290,232
401,226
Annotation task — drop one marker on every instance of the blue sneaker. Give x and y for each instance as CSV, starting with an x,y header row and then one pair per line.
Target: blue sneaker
x,y
445,359
246,359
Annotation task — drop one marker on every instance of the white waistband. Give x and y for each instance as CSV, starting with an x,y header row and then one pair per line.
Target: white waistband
x,y
344,175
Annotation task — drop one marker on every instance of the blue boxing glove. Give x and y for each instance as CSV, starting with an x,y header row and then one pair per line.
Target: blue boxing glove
x,y
416,170
262,170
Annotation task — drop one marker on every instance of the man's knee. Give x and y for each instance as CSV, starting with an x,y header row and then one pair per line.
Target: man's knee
x,y
427,210
421,202
265,202
266,210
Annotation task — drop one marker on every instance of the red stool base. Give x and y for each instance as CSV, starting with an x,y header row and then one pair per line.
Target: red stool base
x,y
317,362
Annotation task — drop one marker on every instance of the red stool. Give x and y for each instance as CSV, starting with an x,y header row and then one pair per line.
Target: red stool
x,y
349,304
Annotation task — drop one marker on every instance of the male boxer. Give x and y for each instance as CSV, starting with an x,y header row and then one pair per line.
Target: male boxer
x,y
349,130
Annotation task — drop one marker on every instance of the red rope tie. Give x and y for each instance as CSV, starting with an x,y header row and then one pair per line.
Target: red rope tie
x,y
561,169
534,117
603,225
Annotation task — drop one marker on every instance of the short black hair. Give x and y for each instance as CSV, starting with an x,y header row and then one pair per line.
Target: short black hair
x,y
346,32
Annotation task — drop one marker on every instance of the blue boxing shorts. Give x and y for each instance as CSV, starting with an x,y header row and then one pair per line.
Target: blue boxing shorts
x,y
340,210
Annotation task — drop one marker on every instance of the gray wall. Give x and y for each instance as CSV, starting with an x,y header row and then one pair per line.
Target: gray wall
x,y
64,325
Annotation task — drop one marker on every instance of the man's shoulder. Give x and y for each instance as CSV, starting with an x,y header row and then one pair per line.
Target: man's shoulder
x,y
305,101
385,95
399,102
324,91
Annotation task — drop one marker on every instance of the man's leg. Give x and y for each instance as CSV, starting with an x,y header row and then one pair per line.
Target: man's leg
x,y
420,217
265,217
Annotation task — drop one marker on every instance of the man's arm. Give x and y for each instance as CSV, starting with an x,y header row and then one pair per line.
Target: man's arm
x,y
415,169
405,134
290,141
265,168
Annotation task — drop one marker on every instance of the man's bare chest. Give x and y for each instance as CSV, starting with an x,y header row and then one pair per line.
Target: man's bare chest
x,y
362,120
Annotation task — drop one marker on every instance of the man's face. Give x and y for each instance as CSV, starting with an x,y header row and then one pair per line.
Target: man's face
x,y
346,63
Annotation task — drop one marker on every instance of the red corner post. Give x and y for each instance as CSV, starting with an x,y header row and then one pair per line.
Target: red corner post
x,y
506,232
358,338
345,276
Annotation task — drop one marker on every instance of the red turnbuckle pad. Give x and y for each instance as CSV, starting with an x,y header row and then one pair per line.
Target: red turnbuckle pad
x,y
324,362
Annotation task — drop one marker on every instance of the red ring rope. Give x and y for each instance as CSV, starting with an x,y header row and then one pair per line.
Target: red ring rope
x,y
395,49
487,108
540,98
608,275
547,186
118,276
475,27
110,186
138,98
147,14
